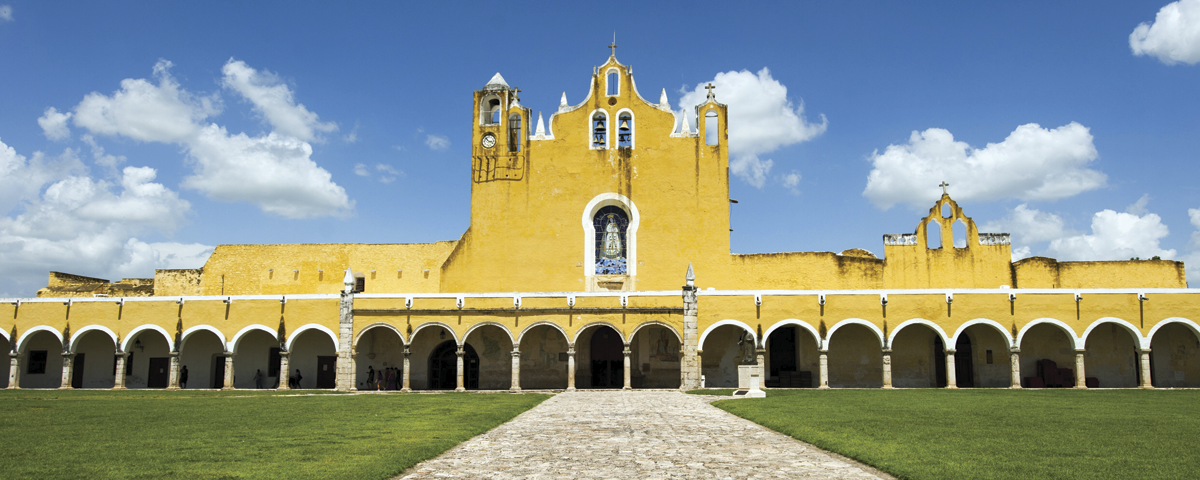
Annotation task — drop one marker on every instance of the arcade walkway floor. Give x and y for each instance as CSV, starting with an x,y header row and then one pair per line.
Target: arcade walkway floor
x,y
628,435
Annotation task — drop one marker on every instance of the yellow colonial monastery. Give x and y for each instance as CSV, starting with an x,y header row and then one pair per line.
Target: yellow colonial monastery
x,y
577,272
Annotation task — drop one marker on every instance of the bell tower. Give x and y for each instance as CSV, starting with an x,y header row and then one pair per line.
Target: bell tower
x,y
501,133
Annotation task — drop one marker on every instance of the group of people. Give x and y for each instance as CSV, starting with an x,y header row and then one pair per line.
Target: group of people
x,y
386,379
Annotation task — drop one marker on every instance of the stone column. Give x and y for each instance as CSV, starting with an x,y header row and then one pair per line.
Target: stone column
x,y
228,385
516,370
824,369
951,374
1014,354
760,356
1080,376
628,381
284,376
887,368
119,376
173,377
404,380
571,367
14,370
344,370
1143,360
459,363
354,371
68,359
690,369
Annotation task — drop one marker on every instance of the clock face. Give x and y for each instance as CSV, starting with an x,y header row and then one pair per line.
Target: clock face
x,y
488,141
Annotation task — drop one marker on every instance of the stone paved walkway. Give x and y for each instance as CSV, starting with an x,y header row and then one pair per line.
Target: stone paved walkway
x,y
627,435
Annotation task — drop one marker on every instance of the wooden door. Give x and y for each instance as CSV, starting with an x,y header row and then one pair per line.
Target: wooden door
x,y
160,373
326,371
77,371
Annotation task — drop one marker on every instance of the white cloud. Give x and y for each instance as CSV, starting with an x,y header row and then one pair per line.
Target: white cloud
x,y
103,159
1139,207
1033,163
6,13
1028,226
22,180
274,100
1173,37
1115,236
54,124
1194,216
387,173
273,171
437,142
762,119
362,170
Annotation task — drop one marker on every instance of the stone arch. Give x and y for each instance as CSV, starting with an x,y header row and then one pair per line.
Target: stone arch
x,y
855,321
718,324
983,321
1139,341
79,334
312,326
22,341
132,335
796,322
655,323
521,336
917,321
237,337
1167,321
1076,342
1174,356
540,351
384,325
790,364
188,333
453,334
579,332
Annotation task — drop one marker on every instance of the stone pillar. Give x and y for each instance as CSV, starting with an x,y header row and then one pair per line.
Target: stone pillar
x,y
173,377
459,364
824,369
628,381
571,367
284,376
760,356
1014,354
14,370
404,380
68,359
345,363
354,371
951,374
228,385
1080,376
516,370
887,368
1143,360
690,369
119,375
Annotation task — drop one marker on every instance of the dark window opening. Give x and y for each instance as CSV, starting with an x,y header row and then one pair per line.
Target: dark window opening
x,y
273,363
514,133
37,362
625,131
129,364
599,130
614,83
611,223
360,284
490,112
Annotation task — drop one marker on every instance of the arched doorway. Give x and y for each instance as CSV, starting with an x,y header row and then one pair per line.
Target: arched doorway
x,y
91,367
1047,357
494,346
723,349
916,351
654,358
1175,357
792,357
148,361
543,358
607,359
443,367
855,358
312,359
41,361
380,363
202,354
1111,358
964,363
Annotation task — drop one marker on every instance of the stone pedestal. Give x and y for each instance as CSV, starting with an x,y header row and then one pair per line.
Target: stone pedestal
x,y
749,382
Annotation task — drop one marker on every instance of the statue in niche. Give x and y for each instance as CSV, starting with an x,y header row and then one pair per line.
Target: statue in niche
x,y
662,348
746,349
610,224
612,240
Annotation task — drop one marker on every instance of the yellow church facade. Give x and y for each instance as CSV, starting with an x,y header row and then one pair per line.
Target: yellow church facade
x,y
598,256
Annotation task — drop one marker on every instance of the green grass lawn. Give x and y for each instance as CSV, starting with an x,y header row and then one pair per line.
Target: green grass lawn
x,y
933,434
157,434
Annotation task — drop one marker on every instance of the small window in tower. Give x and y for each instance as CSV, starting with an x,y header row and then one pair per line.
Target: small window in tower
x,y
514,133
360,284
614,83
489,111
710,128
599,130
625,130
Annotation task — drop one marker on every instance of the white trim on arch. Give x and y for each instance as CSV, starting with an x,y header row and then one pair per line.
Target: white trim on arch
x,y
1180,320
579,333
489,323
521,336
384,325
983,321
187,333
1142,342
722,323
589,231
75,336
632,128
132,335
793,321
312,326
946,340
21,344
607,130
7,339
237,337
453,334
854,321
654,323
1077,343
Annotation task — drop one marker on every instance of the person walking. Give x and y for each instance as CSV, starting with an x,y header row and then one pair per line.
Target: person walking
x,y
370,376
295,381
183,377
258,379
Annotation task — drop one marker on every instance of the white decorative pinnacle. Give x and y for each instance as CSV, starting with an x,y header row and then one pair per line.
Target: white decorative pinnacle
x,y
497,80
562,104
662,99
541,127
690,277
685,128
348,281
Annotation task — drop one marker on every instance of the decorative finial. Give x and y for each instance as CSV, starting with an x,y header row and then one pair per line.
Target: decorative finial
x,y
691,276
563,103
541,127
348,281
662,99
710,88
613,45
944,185
684,127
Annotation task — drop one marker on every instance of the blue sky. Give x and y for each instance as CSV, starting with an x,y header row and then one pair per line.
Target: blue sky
x,y
179,127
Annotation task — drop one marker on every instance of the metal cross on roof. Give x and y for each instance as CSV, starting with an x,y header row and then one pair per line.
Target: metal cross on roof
x,y
516,94
613,45
710,88
944,185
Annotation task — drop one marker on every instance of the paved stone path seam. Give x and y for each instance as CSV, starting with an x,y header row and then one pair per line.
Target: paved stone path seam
x,y
634,435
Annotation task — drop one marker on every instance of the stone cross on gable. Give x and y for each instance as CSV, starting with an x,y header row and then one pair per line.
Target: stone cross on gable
x,y
517,94
613,46
710,88
944,185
